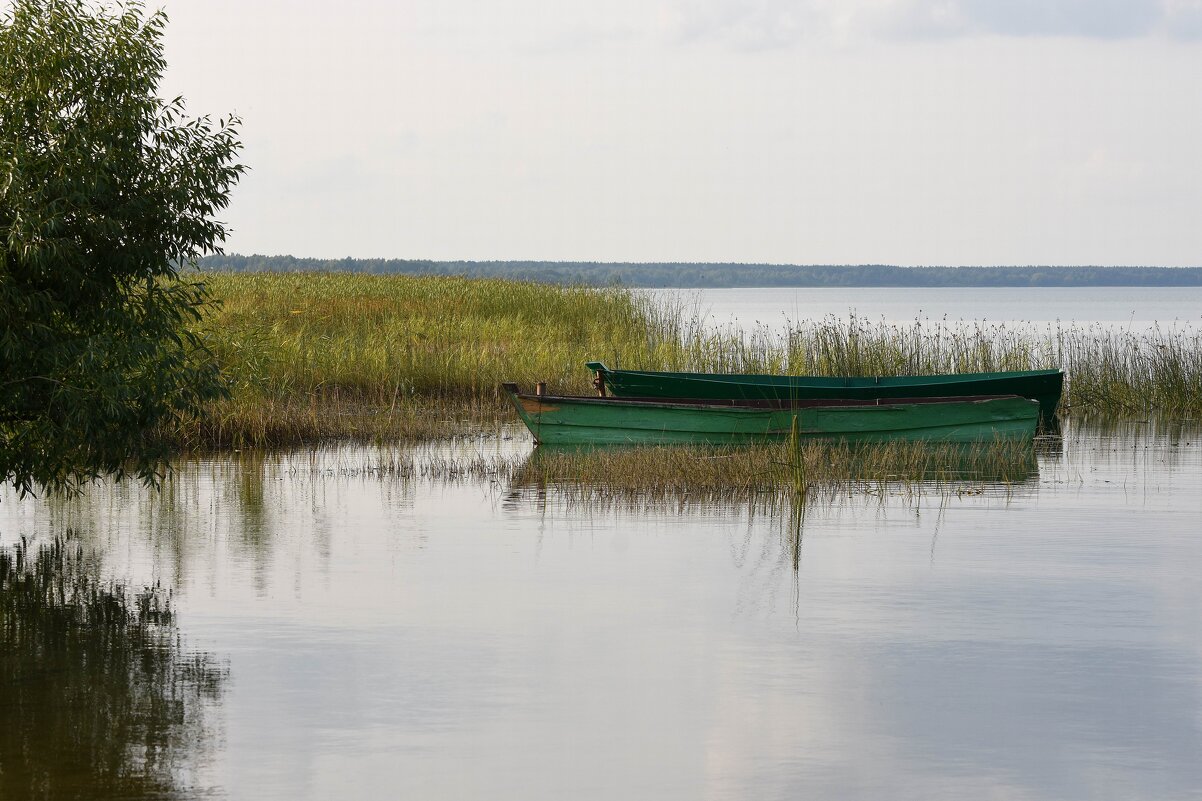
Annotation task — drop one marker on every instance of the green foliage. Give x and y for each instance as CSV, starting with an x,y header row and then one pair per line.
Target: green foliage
x,y
105,189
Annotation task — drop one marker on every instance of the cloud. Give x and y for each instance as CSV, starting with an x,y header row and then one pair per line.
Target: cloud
x,y
1103,19
1182,19
766,24
750,25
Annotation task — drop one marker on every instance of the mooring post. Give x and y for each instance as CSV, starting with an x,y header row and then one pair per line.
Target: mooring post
x,y
540,388
599,383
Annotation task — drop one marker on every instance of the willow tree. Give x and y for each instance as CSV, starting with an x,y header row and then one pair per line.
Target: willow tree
x,y
107,192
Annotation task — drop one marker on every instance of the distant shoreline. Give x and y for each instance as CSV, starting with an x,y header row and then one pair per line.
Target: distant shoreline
x,y
663,275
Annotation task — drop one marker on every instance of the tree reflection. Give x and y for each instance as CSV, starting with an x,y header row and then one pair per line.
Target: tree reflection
x,y
97,698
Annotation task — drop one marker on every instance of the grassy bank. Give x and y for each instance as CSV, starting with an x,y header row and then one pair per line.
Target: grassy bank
x,y
313,356
320,356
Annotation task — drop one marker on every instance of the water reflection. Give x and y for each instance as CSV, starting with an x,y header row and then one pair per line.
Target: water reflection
x,y
768,480
99,700
462,622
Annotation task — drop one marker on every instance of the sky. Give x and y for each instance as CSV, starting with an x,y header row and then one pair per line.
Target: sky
x,y
907,132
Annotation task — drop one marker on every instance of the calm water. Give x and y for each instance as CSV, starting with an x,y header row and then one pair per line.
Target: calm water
x,y
1136,307
343,631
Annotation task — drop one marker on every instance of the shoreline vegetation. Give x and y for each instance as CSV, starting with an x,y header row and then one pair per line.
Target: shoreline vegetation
x,y
686,275
315,357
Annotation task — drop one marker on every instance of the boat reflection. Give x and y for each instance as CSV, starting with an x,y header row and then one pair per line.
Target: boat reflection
x,y
737,475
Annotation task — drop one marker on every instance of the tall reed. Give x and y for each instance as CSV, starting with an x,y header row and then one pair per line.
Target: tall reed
x,y
319,356
1108,371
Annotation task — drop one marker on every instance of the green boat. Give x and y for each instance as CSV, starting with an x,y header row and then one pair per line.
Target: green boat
x,y
1042,385
587,420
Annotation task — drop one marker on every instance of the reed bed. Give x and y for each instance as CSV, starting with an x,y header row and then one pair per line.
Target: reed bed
x,y
273,419
1108,371
313,357
380,339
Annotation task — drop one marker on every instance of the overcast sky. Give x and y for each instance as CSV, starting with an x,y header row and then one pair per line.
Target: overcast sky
x,y
787,131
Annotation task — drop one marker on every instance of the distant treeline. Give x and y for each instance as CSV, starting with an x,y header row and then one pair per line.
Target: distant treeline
x,y
667,274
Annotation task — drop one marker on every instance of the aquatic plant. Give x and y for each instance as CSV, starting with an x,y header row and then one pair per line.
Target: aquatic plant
x,y
313,357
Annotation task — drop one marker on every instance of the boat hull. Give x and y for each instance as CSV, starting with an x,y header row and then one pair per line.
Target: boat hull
x,y
559,420
1044,386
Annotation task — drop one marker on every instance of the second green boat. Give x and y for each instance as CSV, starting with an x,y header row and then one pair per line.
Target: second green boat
x,y
1042,385
579,420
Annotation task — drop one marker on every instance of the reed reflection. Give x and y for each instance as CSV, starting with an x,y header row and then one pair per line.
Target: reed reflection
x,y
780,485
100,699
776,476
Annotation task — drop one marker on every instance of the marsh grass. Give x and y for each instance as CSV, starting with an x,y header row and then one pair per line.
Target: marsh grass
x,y
381,339
271,419
1108,371
316,357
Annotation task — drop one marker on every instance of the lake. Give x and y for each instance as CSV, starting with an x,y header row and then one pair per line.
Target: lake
x,y
1135,307
341,628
